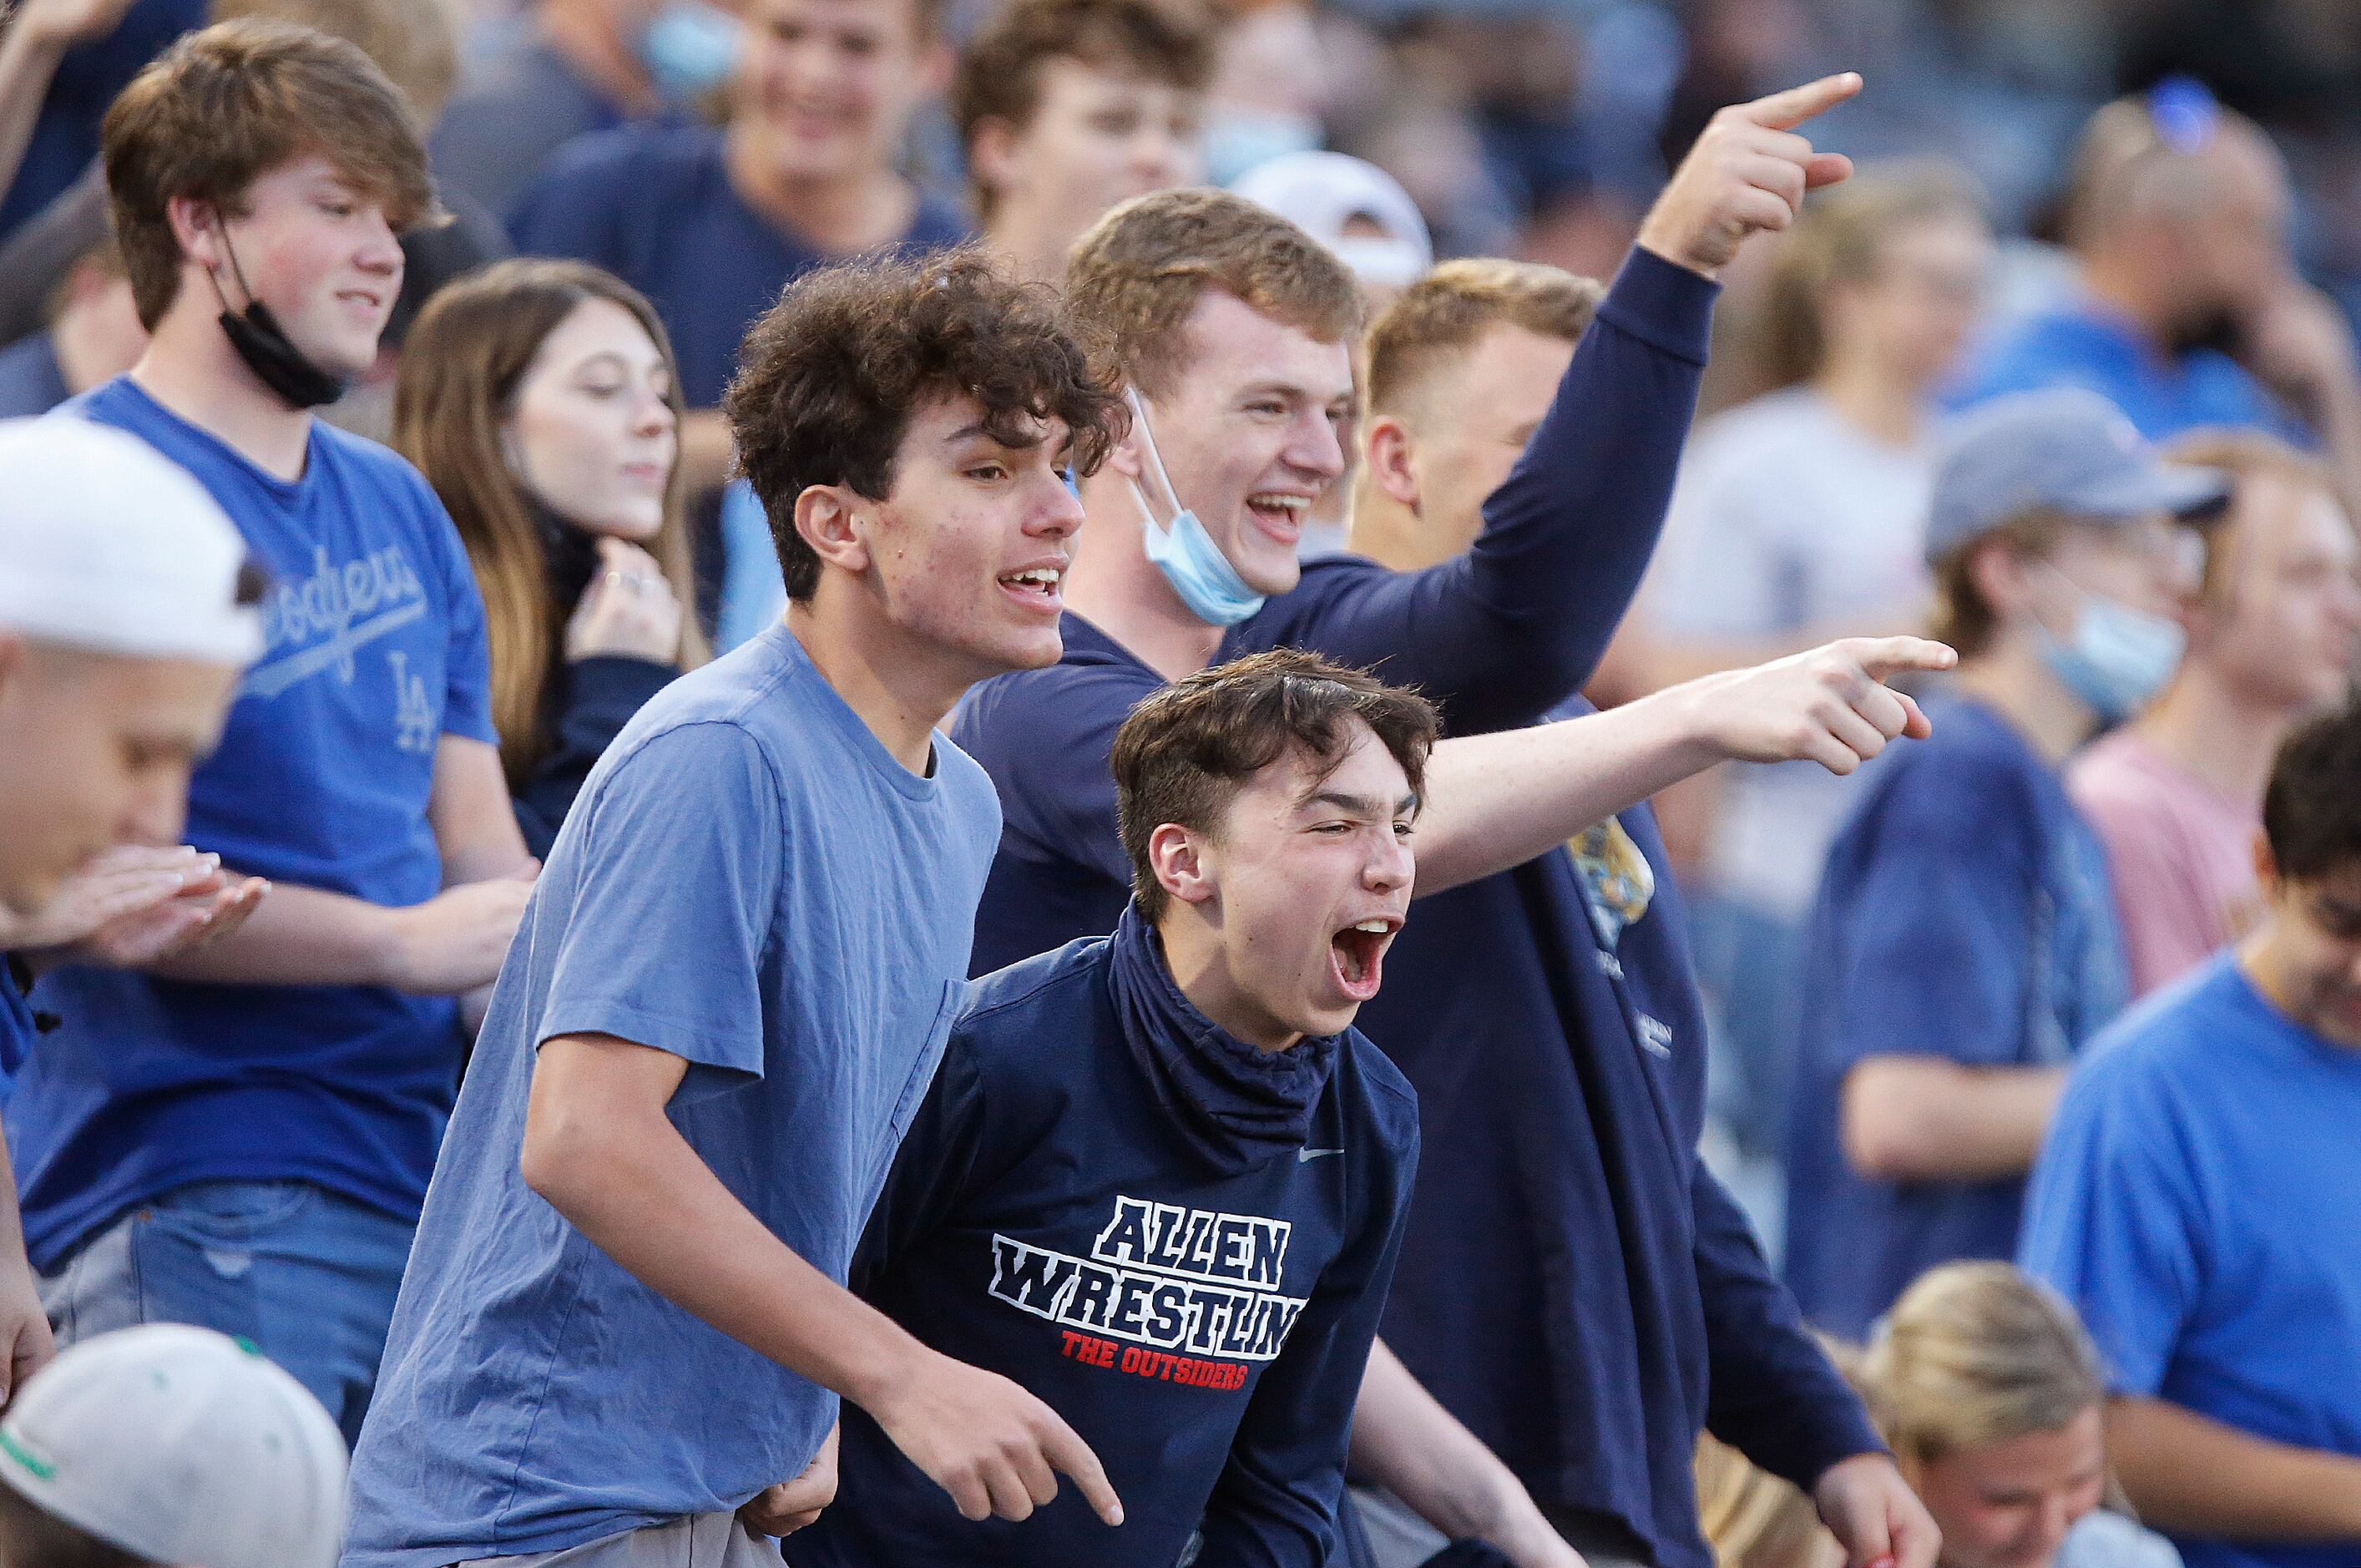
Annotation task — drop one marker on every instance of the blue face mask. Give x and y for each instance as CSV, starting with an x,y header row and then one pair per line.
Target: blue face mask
x,y
1240,139
1191,563
2117,657
690,49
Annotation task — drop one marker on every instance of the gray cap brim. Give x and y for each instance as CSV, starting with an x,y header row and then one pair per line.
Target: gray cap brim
x,y
2192,495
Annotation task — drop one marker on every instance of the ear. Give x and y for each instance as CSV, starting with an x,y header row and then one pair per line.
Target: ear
x,y
1393,465
828,518
990,146
1999,574
1177,857
196,229
1125,457
2266,867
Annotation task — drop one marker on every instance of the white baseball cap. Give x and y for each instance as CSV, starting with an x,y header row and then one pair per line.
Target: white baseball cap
x,y
183,1446
105,543
1321,192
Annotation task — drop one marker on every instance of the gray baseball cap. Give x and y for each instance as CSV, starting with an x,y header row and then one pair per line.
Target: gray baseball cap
x,y
2061,449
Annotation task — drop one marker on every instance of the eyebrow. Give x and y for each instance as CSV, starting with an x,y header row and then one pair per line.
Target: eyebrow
x,y
1360,805
978,431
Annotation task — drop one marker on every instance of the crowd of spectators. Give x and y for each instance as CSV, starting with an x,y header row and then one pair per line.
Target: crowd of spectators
x,y
1988,1009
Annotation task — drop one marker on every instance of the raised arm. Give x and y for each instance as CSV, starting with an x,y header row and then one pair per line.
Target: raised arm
x,y
1496,801
34,42
1512,628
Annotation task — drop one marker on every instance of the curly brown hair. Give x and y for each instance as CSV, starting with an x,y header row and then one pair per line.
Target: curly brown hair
x,y
1185,752
223,107
1170,41
829,376
1134,279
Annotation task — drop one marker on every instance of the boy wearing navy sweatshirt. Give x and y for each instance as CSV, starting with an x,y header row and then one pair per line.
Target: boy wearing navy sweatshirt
x,y
1159,1179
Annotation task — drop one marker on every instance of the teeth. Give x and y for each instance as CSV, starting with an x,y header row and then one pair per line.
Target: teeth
x,y
1378,928
1048,576
1284,503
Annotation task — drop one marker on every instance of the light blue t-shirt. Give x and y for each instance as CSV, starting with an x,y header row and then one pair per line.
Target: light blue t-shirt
x,y
2199,1200
750,882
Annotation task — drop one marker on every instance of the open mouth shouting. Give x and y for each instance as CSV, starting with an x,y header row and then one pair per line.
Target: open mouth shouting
x,y
1356,955
1280,513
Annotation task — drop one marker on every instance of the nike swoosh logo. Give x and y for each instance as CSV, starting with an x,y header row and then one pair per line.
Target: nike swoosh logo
x,y
1305,1156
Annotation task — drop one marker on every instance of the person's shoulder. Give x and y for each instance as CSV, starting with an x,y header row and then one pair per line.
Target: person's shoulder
x,y
1970,762
2064,345
621,162
2120,777
1764,430
2168,1037
936,224
374,464
1019,1019
1391,1103
1092,684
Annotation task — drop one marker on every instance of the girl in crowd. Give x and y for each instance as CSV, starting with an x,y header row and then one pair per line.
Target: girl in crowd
x,y
1990,1394
538,398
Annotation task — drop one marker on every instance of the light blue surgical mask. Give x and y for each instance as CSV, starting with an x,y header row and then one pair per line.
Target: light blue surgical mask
x,y
1238,139
2117,657
1181,549
690,49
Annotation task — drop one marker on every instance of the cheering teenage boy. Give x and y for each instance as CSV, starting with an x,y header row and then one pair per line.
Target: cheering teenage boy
x,y
625,1317
1160,1179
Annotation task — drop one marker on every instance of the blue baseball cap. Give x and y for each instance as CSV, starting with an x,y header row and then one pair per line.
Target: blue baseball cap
x,y
2063,449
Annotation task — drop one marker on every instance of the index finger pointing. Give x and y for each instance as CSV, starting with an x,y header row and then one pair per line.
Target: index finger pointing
x,y
1882,657
1069,1454
1782,111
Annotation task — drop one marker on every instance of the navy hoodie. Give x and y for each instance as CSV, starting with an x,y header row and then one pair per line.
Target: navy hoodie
x,y
1496,636
1180,1242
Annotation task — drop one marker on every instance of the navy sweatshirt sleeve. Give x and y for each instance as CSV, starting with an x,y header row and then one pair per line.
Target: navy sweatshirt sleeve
x,y
599,696
1510,629
1773,1394
1277,1499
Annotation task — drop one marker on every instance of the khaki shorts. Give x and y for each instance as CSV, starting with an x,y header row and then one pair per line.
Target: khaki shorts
x,y
699,1540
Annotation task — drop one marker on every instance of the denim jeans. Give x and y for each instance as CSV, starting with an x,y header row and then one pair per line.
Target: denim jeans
x,y
307,1275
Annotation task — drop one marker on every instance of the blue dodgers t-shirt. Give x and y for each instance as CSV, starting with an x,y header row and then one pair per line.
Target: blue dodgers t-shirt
x,y
655,206
2198,1201
1964,914
751,882
374,651
2090,347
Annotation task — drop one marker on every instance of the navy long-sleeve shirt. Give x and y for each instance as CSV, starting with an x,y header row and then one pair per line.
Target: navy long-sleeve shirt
x,y
1495,636
592,699
1549,1021
1204,1330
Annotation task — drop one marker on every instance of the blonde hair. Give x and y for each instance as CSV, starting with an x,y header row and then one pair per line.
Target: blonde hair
x,y
1975,1354
2246,456
1132,280
1445,312
1839,239
1753,1518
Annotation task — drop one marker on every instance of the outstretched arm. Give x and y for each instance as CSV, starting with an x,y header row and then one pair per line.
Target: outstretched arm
x,y
1497,801
1509,629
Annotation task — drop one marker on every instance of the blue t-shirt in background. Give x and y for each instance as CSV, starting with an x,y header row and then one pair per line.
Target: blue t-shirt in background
x,y
1964,914
374,651
655,206
2088,347
750,882
2198,1201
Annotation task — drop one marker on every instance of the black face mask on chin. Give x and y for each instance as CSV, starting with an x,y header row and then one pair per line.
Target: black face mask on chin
x,y
258,339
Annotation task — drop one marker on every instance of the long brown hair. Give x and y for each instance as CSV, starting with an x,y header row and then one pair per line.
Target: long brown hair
x,y
1839,239
460,368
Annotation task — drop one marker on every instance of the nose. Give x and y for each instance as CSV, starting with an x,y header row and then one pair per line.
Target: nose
x,y
652,416
1391,865
1060,513
1314,449
157,809
380,248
